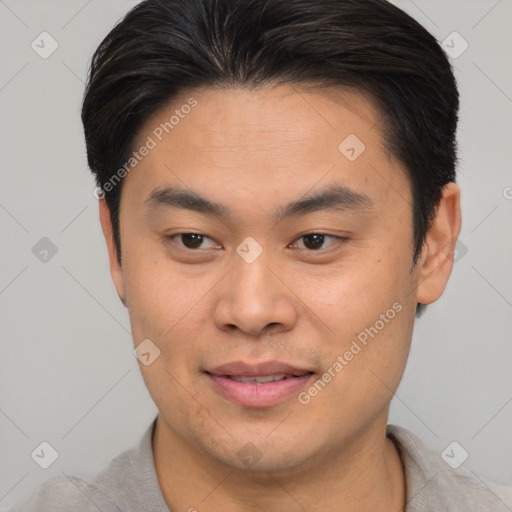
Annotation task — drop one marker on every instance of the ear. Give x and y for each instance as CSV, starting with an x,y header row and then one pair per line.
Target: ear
x,y
115,267
436,260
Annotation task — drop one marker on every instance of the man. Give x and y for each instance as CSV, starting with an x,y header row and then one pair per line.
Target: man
x,y
277,194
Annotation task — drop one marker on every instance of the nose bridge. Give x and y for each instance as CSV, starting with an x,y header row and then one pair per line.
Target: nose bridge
x,y
252,281
253,298
251,273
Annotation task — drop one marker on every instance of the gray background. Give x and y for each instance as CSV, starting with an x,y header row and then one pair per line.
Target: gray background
x,y
68,372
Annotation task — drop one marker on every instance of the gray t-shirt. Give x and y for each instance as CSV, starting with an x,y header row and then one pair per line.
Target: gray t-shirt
x,y
130,484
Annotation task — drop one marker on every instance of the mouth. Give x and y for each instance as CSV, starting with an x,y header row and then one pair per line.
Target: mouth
x,y
258,385
261,379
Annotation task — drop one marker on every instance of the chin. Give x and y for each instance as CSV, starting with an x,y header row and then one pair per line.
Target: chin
x,y
259,455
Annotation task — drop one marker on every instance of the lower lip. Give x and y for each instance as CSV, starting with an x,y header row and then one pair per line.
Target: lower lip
x,y
258,395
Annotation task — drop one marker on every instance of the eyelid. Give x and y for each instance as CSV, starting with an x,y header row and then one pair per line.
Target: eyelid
x,y
172,238
337,239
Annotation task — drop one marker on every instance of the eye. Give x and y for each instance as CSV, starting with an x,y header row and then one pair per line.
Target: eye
x,y
316,241
192,240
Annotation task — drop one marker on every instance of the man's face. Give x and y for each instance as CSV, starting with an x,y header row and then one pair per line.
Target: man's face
x,y
269,288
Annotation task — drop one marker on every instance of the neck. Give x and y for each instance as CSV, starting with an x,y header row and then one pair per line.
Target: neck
x,y
365,476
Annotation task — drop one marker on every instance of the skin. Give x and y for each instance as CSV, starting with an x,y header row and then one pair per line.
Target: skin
x,y
253,151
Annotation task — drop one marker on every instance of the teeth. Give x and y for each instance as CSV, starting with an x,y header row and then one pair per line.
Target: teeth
x,y
260,380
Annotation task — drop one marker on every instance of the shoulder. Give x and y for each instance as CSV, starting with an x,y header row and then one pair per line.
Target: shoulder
x,y
433,484
59,493
129,483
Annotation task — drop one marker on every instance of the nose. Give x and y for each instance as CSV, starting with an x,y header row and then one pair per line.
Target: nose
x,y
255,299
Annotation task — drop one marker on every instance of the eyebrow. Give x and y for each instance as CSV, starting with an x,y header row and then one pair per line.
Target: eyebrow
x,y
334,197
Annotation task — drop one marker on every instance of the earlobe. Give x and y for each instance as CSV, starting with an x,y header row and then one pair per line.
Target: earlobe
x,y
436,259
115,268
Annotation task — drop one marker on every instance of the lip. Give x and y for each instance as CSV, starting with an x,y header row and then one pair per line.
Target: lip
x,y
250,394
242,369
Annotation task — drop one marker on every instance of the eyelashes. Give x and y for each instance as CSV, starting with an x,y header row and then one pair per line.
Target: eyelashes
x,y
310,242
193,240
316,239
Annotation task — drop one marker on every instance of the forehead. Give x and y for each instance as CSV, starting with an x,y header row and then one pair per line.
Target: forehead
x,y
223,115
271,138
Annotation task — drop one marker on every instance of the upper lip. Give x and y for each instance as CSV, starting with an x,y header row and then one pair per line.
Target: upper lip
x,y
242,369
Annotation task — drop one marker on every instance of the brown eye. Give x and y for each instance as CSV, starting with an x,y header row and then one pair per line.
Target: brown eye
x,y
316,242
191,240
313,241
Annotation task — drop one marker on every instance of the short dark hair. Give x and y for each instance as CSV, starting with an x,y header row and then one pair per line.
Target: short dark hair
x,y
163,47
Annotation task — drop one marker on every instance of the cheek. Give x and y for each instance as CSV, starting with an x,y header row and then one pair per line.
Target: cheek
x,y
162,301
349,297
367,368
370,314
173,307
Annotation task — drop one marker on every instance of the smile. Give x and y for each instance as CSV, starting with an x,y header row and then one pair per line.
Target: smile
x,y
262,379
258,385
